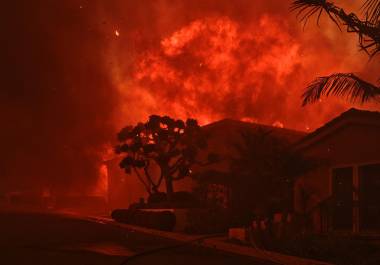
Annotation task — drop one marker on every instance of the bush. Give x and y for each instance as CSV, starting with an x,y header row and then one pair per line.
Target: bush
x,y
121,215
184,196
207,221
157,197
163,220
181,199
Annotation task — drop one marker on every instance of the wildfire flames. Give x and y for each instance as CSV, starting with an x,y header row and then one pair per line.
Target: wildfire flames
x,y
100,65
212,68
218,66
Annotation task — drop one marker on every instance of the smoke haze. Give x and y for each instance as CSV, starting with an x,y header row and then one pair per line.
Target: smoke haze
x,y
75,72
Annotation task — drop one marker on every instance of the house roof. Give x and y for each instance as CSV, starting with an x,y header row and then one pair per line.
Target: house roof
x,y
351,116
229,126
224,137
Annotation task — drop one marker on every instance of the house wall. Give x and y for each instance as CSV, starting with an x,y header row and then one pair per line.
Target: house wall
x,y
350,145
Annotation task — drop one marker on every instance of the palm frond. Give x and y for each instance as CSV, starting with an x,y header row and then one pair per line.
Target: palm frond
x,y
371,9
345,85
368,30
307,8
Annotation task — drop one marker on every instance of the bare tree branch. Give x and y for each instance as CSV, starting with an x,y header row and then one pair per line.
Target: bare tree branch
x,y
146,185
149,177
175,166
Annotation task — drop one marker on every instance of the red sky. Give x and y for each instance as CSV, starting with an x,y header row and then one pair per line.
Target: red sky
x,y
70,82
214,59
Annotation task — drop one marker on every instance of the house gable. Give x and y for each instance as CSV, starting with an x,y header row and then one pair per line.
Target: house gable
x,y
348,142
352,125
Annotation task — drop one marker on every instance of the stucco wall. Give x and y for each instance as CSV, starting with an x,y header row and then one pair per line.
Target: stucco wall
x,y
350,145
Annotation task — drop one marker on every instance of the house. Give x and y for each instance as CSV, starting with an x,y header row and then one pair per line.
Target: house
x,y
223,136
342,194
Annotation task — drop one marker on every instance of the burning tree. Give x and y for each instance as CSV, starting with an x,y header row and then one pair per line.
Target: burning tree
x,y
368,31
164,143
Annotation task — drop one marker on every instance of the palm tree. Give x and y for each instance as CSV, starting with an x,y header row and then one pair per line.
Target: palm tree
x,y
345,85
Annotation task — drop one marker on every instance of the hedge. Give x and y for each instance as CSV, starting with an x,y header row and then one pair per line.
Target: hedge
x,y
162,220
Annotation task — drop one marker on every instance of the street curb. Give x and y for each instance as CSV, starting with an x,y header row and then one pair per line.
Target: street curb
x,y
218,244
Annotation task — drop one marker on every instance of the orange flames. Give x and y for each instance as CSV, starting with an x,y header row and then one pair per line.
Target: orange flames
x,y
216,67
213,68
249,61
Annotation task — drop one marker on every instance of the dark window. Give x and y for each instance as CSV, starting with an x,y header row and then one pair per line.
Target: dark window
x,y
342,198
369,197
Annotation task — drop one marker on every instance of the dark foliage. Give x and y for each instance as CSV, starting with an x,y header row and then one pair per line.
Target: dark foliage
x,y
180,199
368,31
169,144
184,196
157,197
341,85
207,221
121,215
259,182
264,175
371,10
163,220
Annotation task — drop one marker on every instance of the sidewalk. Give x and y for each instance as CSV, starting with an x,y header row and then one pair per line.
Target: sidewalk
x,y
216,242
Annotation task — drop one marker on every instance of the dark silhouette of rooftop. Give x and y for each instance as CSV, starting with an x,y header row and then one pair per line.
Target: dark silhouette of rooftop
x,y
228,127
351,116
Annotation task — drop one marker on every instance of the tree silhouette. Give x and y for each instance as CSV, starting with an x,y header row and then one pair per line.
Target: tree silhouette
x,y
346,85
267,167
171,145
260,178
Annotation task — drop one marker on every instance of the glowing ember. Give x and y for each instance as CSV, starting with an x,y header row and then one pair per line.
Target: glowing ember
x,y
278,124
117,33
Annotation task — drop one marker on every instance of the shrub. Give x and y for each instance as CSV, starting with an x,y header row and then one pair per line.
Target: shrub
x,y
157,197
184,196
181,199
121,215
163,220
207,221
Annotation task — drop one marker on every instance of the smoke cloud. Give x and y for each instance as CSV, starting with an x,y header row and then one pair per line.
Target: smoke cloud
x,y
77,71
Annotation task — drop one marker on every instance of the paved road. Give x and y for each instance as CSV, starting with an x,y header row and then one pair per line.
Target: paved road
x,y
39,239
